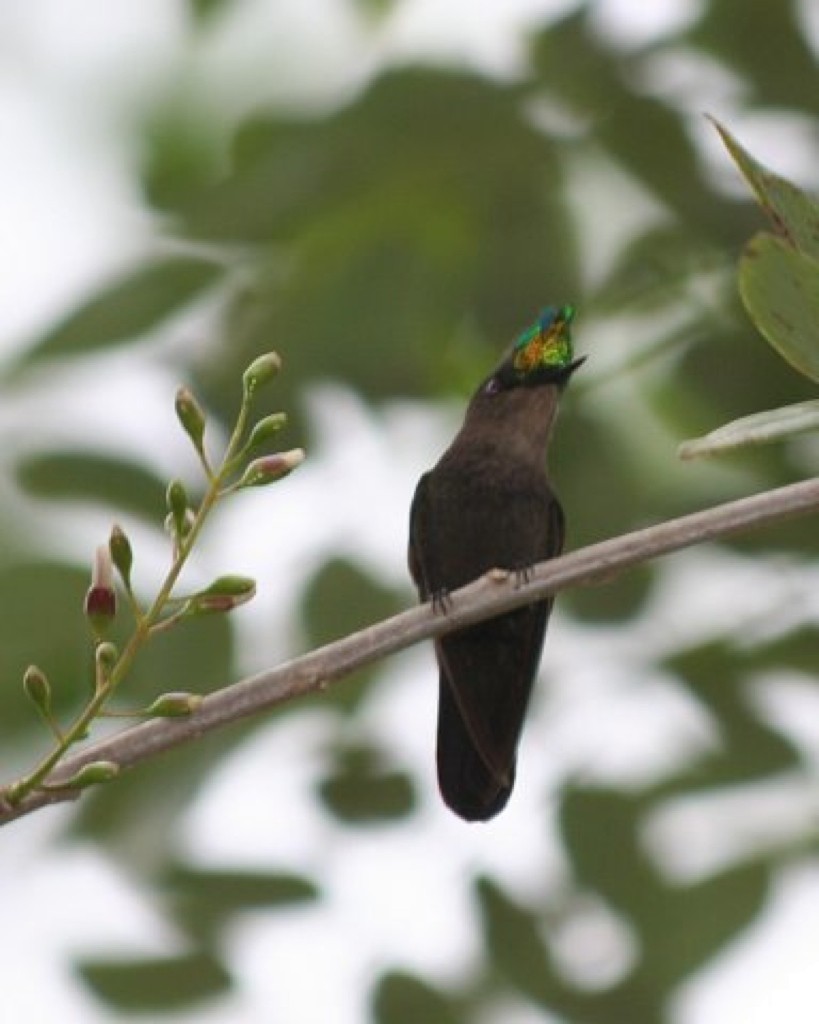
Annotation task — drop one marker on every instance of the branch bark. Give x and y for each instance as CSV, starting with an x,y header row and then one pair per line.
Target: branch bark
x,y
492,594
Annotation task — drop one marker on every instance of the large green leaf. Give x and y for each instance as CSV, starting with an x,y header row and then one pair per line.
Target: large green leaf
x,y
793,213
780,288
129,307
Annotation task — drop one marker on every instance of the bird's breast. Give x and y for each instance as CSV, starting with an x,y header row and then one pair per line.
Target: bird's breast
x,y
484,516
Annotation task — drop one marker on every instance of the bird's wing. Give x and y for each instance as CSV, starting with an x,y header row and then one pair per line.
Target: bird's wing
x,y
486,677
418,512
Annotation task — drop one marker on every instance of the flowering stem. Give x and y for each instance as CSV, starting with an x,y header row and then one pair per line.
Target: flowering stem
x,y
147,622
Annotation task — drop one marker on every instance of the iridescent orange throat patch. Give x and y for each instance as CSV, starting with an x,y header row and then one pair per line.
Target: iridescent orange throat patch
x,y
547,344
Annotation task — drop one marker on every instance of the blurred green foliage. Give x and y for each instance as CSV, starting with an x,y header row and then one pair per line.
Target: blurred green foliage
x,y
393,243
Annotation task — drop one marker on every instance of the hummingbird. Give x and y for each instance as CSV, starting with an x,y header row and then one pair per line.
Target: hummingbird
x,y
488,503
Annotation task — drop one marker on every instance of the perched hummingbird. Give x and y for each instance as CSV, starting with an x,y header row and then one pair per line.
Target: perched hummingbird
x,y
488,504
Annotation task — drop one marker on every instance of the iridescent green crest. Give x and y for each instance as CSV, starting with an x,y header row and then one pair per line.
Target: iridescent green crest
x,y
547,344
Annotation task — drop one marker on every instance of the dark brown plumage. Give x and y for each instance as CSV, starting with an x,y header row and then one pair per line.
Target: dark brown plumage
x,y
487,504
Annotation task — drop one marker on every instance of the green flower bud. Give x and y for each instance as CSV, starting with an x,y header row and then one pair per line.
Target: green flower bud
x,y
92,774
270,468
106,655
174,705
261,370
121,554
265,429
191,416
234,585
176,498
224,594
176,529
38,689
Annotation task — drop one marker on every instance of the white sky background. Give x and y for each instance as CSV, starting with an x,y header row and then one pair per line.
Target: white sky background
x,y
73,76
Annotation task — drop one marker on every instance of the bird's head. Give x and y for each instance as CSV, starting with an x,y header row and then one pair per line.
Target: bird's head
x,y
542,354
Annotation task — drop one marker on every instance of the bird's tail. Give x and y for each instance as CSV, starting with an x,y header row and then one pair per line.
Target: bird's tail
x,y
469,787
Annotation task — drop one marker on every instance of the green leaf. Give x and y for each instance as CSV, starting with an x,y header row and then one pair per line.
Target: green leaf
x,y
759,428
361,790
765,45
780,289
716,674
340,599
42,618
205,10
678,927
400,237
514,939
700,919
242,890
794,215
595,821
204,902
92,476
376,9
129,307
578,68
157,984
401,998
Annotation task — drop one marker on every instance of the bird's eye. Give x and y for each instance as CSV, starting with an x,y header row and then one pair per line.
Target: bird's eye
x,y
492,386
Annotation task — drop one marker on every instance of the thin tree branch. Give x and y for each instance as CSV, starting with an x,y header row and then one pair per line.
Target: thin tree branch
x,y
492,594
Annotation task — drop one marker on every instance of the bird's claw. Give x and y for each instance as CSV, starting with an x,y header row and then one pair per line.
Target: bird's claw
x,y
441,602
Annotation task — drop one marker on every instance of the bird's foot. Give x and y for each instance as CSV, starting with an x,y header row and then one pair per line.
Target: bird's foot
x,y
441,602
522,574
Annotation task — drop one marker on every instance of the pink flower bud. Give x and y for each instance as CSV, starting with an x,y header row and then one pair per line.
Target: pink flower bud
x,y
270,468
101,598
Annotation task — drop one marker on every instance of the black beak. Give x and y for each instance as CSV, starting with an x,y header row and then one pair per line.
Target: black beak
x,y
566,373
